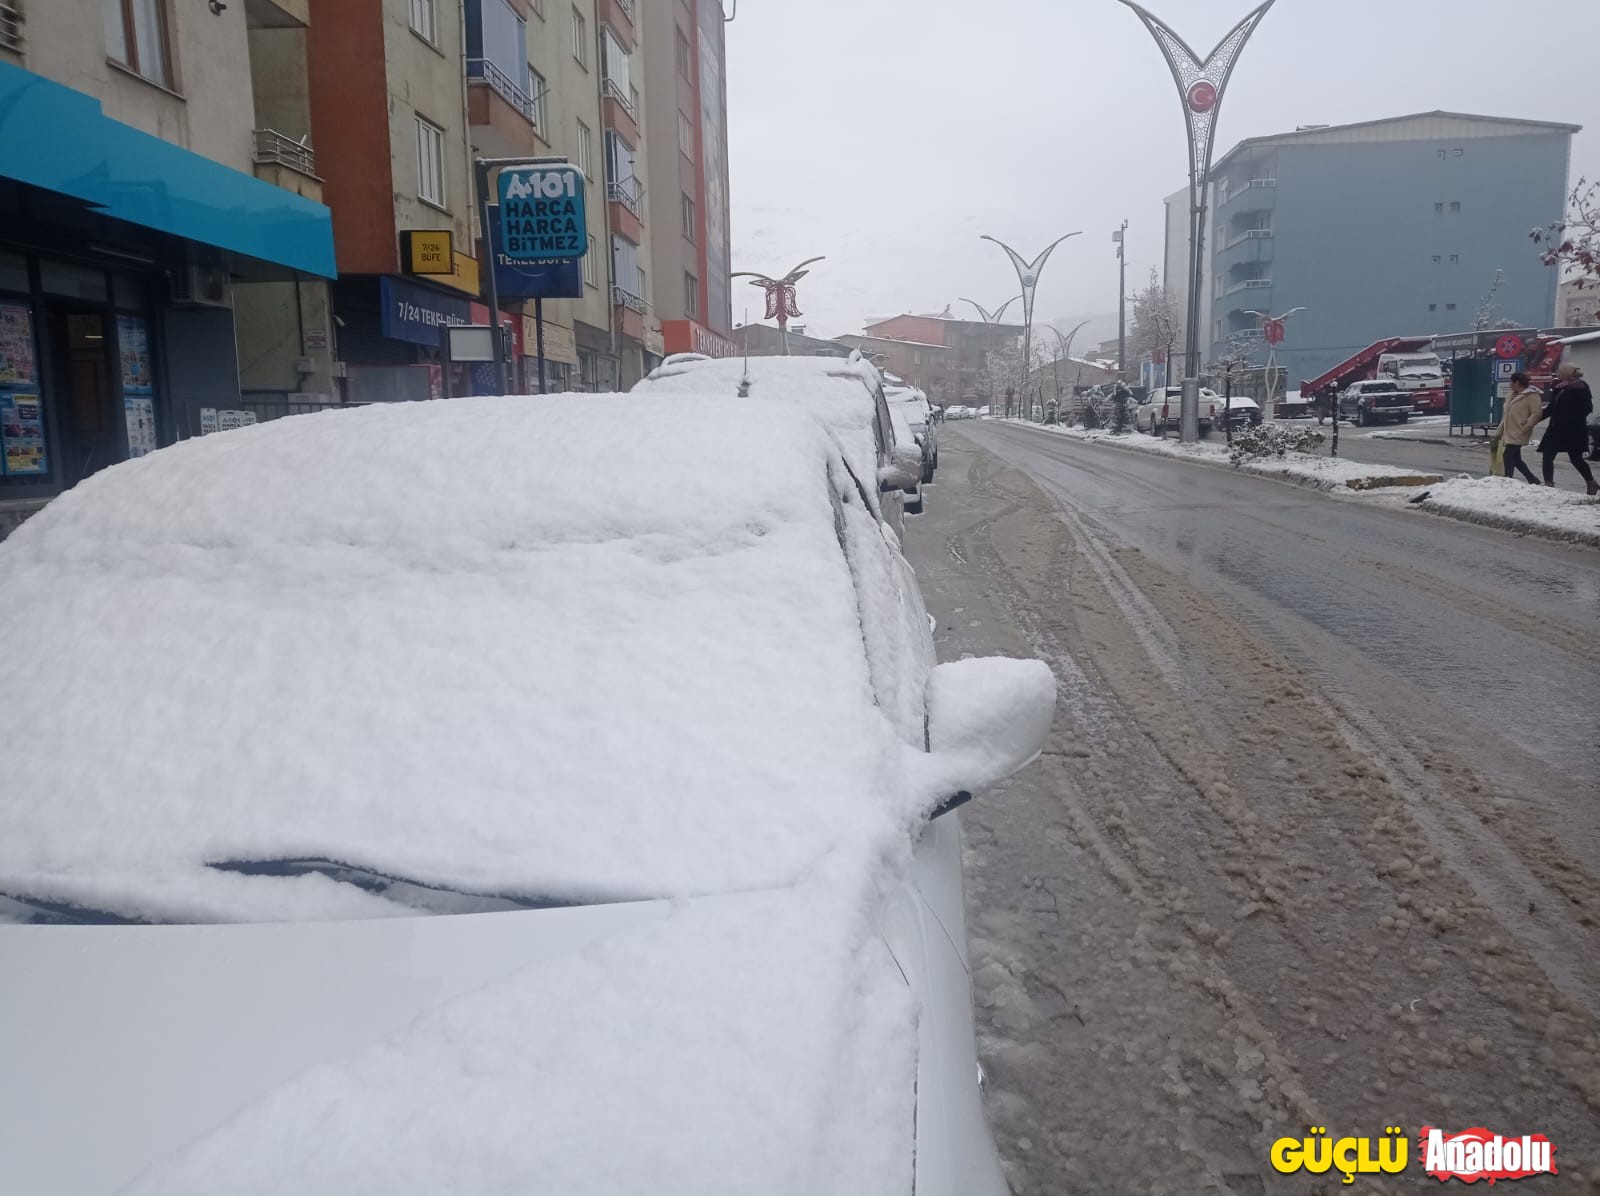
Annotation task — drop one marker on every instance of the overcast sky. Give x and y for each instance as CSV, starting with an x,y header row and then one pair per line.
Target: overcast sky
x,y
888,134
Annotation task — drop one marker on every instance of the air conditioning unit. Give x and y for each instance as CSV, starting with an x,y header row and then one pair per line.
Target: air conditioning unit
x,y
198,285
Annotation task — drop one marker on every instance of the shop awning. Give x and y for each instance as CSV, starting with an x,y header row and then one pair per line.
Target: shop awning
x,y
59,139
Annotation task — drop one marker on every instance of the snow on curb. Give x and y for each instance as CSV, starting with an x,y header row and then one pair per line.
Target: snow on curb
x,y
1304,469
1516,506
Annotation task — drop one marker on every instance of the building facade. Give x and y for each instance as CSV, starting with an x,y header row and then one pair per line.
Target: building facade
x,y
959,371
156,247
685,86
1396,227
1578,306
766,340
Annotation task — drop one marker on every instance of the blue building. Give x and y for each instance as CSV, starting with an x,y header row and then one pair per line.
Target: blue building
x,y
1395,227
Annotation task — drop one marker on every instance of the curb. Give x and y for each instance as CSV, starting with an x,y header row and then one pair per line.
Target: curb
x,y
1507,523
1359,485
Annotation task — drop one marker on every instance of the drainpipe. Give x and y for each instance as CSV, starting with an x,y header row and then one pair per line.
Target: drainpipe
x,y
605,200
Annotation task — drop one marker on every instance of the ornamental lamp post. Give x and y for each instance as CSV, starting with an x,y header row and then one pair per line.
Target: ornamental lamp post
x,y
781,301
993,319
1201,86
1028,276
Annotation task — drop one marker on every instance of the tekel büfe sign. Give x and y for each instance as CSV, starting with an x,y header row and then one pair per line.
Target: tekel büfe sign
x,y
541,213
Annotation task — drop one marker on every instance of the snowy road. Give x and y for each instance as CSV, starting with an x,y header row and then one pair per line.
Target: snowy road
x,y
1317,840
1430,448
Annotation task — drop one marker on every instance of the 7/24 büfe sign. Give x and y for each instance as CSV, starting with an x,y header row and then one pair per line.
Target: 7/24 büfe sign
x,y
542,213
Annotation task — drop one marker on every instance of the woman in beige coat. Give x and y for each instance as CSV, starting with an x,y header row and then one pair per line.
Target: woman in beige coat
x,y
1524,409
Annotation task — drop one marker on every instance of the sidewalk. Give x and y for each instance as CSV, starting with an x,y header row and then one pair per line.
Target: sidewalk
x,y
1516,506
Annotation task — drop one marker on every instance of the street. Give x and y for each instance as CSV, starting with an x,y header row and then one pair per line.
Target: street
x,y
1316,839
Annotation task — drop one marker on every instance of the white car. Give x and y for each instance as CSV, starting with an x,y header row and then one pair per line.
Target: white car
x,y
847,393
903,434
914,405
1161,410
957,411
485,796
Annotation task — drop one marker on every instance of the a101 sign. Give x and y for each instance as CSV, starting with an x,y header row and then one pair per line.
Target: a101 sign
x,y
542,214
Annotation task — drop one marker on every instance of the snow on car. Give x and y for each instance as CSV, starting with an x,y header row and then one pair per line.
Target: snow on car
x,y
548,796
847,393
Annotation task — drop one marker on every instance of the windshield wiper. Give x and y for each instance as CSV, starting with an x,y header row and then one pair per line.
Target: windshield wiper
x,y
38,911
433,899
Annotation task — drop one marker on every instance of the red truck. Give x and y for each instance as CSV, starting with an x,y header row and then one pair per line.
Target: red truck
x,y
1407,361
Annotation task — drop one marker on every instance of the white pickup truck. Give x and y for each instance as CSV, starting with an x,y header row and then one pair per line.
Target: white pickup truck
x,y
1162,409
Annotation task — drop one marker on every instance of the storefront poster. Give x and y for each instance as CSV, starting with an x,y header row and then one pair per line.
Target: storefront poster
x,y
138,390
22,434
16,346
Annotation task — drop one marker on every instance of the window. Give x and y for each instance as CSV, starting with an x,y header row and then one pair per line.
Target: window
x,y
585,150
625,272
1455,259
691,296
620,171
1433,307
685,62
685,136
1456,153
1455,205
536,90
1441,155
691,220
430,163
588,265
136,37
498,52
425,20
580,38
616,68
1436,259
1449,307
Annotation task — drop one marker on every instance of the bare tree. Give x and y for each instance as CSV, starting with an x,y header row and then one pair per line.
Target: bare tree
x,y
1489,311
1002,371
1156,326
1574,243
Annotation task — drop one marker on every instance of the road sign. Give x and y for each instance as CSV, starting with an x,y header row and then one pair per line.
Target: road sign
x,y
1505,367
1508,346
542,214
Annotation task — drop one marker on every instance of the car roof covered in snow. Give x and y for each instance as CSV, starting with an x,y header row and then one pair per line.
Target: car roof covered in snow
x,y
575,648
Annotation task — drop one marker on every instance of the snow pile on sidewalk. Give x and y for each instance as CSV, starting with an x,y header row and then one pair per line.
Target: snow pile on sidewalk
x,y
1325,473
1515,505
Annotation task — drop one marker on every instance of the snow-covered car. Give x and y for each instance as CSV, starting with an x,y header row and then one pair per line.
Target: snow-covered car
x,y
1240,411
912,498
957,411
982,413
919,414
847,393
485,796
1161,410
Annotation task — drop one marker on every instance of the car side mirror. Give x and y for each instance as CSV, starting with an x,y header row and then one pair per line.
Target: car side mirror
x,y
904,472
988,718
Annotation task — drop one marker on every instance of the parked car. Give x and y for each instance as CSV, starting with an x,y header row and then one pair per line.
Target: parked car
x,y
846,392
911,498
540,771
983,413
1372,402
1162,409
1241,411
919,414
957,411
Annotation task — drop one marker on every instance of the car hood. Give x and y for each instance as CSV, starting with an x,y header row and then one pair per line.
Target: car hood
x,y
754,1042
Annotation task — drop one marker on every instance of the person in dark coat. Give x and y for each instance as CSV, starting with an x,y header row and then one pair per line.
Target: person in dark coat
x,y
1568,413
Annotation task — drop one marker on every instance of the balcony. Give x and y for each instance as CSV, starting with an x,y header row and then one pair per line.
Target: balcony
x,y
618,111
623,298
1256,195
10,28
621,15
1249,234
287,163
277,14
500,111
1249,284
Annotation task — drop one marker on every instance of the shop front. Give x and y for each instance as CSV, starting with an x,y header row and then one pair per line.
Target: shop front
x,y
560,356
118,256
691,336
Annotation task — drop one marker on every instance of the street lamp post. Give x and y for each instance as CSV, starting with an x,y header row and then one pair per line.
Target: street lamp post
x,y
1201,85
1064,343
1120,237
781,302
991,318
1028,276
1272,331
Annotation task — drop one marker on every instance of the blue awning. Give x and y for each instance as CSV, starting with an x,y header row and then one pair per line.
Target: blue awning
x,y
59,139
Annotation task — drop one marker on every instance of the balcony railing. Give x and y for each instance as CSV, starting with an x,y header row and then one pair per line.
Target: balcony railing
x,y
614,91
1250,234
485,71
627,299
1249,284
627,7
274,148
624,195
10,28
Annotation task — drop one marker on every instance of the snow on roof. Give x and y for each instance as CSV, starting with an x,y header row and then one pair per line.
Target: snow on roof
x,y
581,647
758,1043
1459,123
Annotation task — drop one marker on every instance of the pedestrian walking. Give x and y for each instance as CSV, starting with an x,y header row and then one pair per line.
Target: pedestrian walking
x,y
1524,409
1568,413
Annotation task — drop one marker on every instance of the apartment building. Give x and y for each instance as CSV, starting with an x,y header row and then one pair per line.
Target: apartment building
x,y
1396,227
947,358
685,91
160,230
767,340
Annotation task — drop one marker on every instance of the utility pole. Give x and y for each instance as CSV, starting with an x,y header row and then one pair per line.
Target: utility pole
x,y
1120,237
